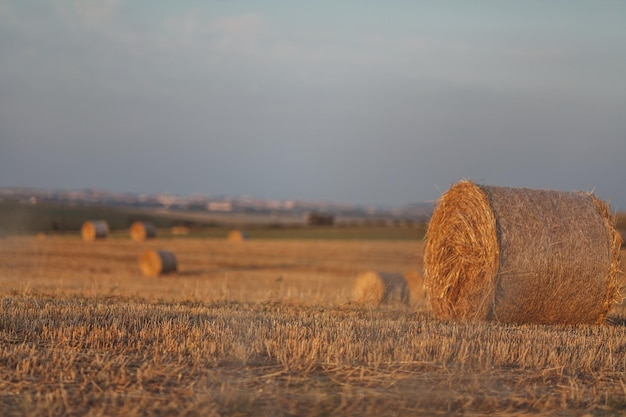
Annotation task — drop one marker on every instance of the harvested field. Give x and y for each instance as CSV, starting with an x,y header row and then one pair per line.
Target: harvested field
x,y
268,328
309,272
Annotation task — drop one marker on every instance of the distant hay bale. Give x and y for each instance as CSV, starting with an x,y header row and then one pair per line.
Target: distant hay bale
x,y
94,229
371,287
237,236
142,231
521,256
154,263
417,291
179,230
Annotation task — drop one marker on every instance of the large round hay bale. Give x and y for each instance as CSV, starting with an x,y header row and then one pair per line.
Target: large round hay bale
x,y
154,263
521,256
142,231
94,229
237,236
371,287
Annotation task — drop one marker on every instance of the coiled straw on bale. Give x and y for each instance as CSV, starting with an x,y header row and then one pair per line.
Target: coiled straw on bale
x,y
154,263
372,287
94,229
142,231
522,256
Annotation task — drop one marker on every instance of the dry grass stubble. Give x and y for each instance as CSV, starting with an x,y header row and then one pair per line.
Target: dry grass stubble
x,y
84,334
77,356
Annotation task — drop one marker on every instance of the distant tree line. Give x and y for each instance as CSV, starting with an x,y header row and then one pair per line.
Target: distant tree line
x,y
320,219
19,217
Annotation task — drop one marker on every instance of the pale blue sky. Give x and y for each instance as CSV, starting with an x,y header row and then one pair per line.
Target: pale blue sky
x,y
362,102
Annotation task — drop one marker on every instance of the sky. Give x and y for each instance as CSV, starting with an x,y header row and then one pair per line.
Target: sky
x,y
360,102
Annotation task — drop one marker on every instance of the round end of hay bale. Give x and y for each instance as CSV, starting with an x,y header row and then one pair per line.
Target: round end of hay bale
x,y
375,288
368,288
237,236
94,229
415,283
142,230
154,263
461,254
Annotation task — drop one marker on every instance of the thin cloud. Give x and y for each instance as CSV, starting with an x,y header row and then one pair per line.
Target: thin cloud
x,y
5,8
248,26
89,11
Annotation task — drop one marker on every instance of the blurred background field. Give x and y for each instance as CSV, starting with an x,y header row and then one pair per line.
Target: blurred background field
x,y
259,269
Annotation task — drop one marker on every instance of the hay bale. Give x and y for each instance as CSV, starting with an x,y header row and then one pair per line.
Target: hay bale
x,y
417,290
94,229
371,287
237,236
521,256
142,230
154,263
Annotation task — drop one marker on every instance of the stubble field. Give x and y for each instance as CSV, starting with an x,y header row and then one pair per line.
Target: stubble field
x,y
267,327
